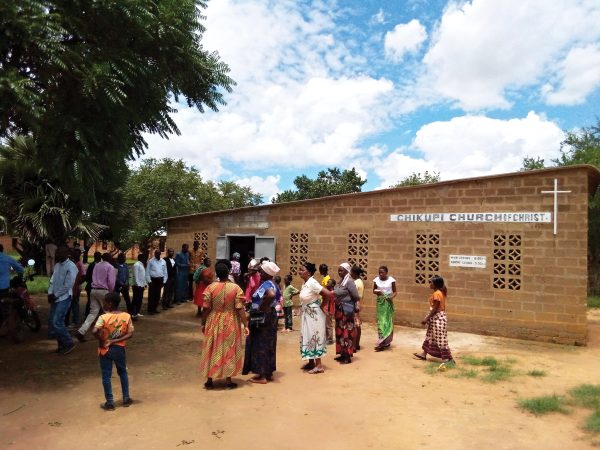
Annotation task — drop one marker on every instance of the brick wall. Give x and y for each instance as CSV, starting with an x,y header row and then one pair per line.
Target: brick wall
x,y
541,296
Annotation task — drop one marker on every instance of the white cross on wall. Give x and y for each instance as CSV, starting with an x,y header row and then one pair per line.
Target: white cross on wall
x,y
555,192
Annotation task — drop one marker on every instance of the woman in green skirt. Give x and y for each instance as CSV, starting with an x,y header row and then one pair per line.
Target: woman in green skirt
x,y
384,287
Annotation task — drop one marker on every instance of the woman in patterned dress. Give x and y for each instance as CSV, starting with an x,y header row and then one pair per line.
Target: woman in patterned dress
x,y
436,339
222,316
313,341
346,297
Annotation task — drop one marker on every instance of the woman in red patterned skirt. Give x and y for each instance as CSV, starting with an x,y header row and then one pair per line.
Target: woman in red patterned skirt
x,y
436,339
222,316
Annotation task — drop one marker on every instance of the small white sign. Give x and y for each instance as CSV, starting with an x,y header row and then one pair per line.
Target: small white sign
x,y
467,261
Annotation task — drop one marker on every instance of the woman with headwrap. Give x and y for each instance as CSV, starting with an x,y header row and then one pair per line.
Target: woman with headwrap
x,y
261,344
313,342
384,287
346,296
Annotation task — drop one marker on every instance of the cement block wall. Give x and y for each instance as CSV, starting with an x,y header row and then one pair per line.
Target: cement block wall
x,y
550,304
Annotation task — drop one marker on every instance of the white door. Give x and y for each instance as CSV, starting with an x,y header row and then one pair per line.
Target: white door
x,y
264,246
222,247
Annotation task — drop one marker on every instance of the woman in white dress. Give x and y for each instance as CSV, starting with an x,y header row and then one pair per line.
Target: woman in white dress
x,y
313,343
384,287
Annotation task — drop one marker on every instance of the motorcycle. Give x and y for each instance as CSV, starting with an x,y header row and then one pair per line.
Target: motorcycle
x,y
17,309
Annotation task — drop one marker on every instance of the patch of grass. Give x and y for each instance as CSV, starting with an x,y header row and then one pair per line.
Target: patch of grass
x,y
592,423
593,301
474,361
497,373
463,373
587,395
536,373
544,405
39,285
431,368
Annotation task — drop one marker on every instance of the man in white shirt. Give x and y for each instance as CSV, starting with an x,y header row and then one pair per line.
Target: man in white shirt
x,y
139,283
156,276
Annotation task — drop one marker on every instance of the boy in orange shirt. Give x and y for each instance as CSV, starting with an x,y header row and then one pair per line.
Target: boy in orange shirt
x,y
112,330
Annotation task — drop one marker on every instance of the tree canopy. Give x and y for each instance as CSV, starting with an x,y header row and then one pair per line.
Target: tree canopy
x,y
87,79
168,187
417,178
330,182
81,82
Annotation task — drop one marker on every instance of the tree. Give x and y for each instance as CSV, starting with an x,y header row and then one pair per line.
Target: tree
x,y
166,188
330,182
85,80
33,204
532,163
417,178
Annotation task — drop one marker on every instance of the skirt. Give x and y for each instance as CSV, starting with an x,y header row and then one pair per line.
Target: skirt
x,y
436,339
313,342
344,332
261,347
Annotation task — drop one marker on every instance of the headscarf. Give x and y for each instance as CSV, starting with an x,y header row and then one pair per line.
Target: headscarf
x,y
270,268
253,264
347,268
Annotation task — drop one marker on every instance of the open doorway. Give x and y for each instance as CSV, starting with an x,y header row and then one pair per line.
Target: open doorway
x,y
241,245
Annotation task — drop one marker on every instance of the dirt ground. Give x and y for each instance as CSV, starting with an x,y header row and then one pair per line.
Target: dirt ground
x,y
383,400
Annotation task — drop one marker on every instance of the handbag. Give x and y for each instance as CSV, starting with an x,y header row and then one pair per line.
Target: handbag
x,y
257,318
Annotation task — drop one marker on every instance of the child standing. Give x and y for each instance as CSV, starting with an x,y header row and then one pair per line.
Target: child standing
x,y
112,330
288,303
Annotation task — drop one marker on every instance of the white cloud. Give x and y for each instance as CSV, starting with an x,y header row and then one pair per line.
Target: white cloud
x,y
294,105
579,74
378,18
404,38
471,146
467,146
397,165
483,50
267,186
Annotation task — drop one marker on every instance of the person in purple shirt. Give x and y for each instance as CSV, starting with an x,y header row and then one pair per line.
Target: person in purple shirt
x,y
103,282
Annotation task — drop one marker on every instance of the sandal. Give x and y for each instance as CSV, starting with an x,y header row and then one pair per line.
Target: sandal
x,y
420,357
230,385
258,380
316,370
208,385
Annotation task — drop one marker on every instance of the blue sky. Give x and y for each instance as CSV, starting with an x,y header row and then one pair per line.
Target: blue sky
x,y
391,88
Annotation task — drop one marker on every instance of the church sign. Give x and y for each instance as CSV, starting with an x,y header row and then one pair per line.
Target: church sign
x,y
467,261
506,217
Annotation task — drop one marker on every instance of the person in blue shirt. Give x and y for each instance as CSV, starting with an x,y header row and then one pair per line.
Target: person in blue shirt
x,y
182,262
60,291
6,264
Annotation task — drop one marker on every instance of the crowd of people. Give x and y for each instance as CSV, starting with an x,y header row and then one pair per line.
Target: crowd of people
x,y
232,303
224,318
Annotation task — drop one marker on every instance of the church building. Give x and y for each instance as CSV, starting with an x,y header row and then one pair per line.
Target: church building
x,y
512,248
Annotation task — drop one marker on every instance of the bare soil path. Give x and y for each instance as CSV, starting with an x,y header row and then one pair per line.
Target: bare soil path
x,y
382,401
